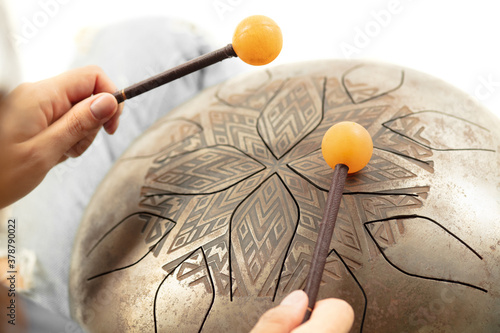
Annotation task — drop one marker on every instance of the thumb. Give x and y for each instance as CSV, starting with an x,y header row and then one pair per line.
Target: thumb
x,y
80,122
285,317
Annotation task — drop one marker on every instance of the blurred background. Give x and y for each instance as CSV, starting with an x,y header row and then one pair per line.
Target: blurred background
x,y
456,41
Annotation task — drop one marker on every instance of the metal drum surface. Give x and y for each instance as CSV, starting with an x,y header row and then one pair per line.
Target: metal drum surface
x,y
211,216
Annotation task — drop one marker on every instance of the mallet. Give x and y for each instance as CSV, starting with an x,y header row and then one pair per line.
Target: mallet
x,y
347,147
257,41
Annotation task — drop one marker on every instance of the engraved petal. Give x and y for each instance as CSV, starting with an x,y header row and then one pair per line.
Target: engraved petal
x,y
204,171
383,170
292,115
208,218
237,128
262,229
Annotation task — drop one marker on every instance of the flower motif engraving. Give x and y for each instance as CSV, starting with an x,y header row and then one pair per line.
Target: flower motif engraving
x,y
276,150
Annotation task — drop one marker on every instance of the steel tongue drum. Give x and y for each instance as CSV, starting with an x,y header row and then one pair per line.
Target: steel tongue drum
x,y
211,217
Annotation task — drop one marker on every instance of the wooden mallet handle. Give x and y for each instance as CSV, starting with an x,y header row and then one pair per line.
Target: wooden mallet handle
x,y
175,73
347,148
325,236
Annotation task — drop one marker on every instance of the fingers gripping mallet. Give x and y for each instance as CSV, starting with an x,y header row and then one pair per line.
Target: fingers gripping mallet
x,y
257,41
347,147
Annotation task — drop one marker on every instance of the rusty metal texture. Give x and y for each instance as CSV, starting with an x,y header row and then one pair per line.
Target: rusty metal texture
x,y
210,217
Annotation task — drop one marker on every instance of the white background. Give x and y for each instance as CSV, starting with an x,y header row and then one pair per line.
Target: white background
x,y
457,41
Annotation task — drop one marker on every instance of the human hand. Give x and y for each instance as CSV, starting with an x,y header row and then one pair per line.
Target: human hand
x,y
44,123
329,316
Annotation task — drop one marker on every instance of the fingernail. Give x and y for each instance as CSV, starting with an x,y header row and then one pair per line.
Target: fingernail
x,y
295,298
103,107
111,127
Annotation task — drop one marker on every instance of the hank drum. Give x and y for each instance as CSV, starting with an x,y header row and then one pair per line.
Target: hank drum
x,y
210,217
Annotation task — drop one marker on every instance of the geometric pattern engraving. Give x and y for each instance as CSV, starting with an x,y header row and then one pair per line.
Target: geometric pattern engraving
x,y
385,233
193,271
237,129
208,214
218,261
334,94
291,116
363,115
379,207
296,265
168,206
389,140
345,239
345,236
206,170
372,207
262,228
314,168
308,198
379,170
189,144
